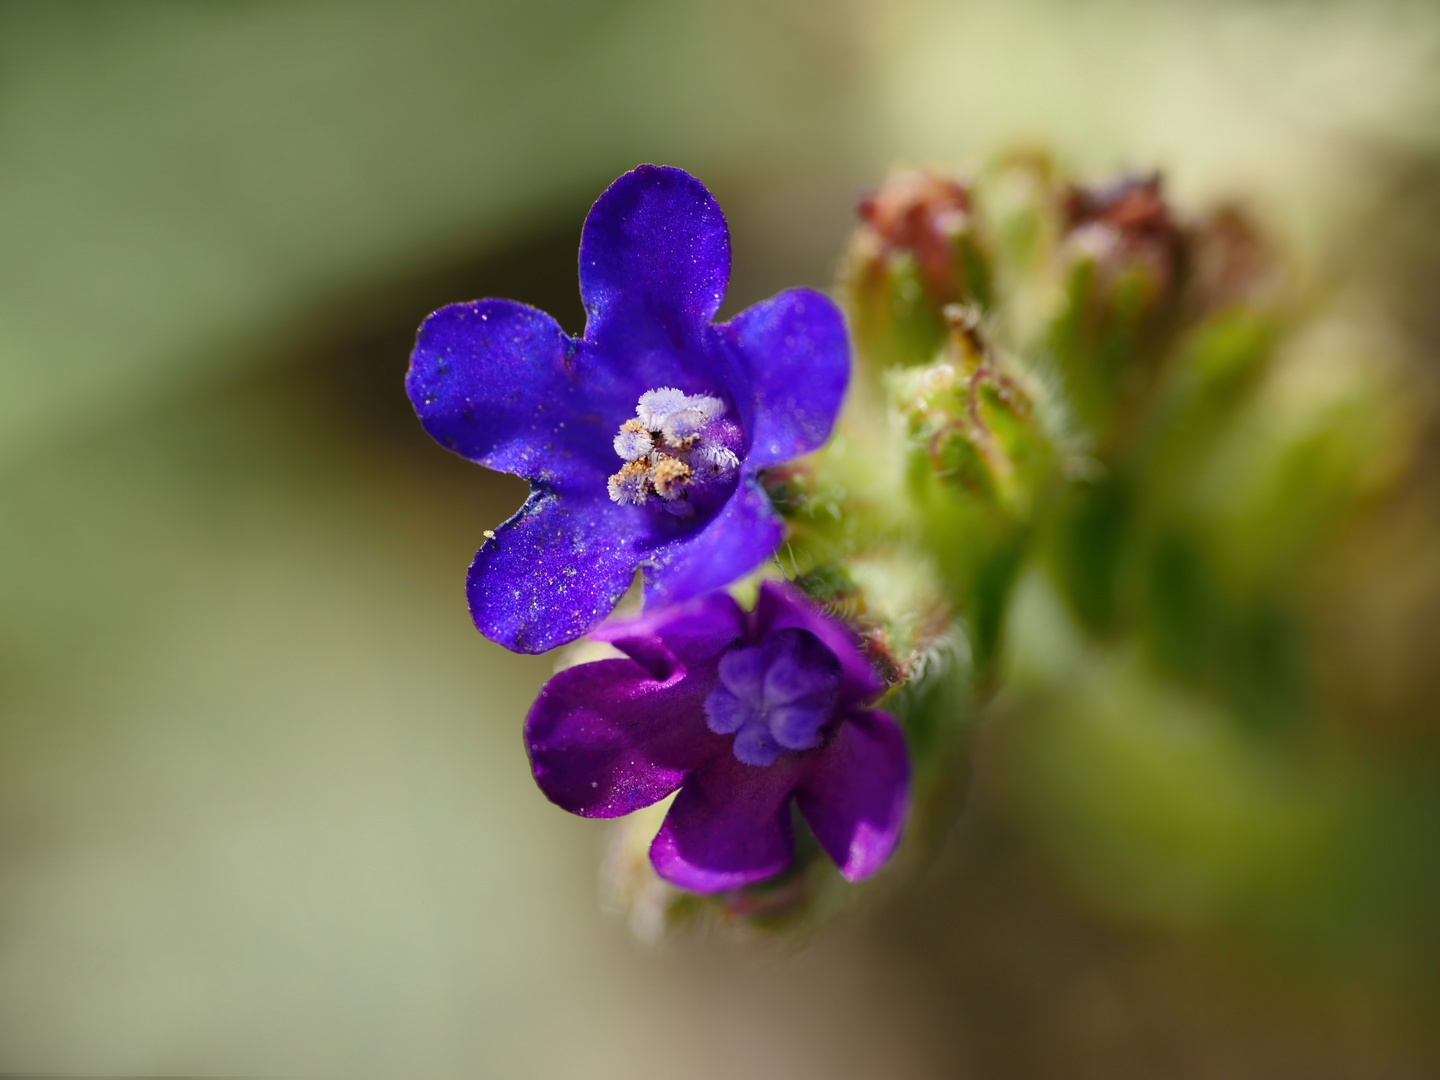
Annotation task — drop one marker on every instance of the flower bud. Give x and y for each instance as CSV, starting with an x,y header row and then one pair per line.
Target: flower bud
x,y
979,462
1232,264
1126,226
915,251
1120,261
971,422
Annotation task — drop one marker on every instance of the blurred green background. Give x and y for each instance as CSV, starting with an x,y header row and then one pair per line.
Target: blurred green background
x,y
264,808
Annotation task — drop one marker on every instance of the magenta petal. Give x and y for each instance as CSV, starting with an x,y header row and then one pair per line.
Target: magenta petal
x,y
781,607
797,356
606,739
728,827
551,572
655,247
686,634
740,537
856,794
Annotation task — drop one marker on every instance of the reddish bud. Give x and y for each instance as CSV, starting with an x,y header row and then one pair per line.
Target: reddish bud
x,y
922,213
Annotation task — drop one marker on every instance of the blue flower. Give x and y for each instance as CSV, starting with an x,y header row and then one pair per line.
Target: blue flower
x,y
641,439
791,686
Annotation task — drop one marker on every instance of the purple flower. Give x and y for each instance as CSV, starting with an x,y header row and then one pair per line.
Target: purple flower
x,y
642,439
742,713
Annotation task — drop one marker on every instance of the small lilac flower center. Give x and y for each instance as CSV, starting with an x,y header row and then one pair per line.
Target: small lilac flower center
x,y
675,445
775,696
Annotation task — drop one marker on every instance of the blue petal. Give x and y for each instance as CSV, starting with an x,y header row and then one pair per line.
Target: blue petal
x,y
654,251
802,669
781,606
797,357
739,538
742,672
797,727
499,383
754,745
551,572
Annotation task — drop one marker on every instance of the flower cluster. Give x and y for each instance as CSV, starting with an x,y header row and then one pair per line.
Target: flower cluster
x,y
644,441
1084,439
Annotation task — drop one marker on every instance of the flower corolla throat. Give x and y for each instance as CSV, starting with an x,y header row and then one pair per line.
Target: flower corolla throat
x,y
775,696
675,446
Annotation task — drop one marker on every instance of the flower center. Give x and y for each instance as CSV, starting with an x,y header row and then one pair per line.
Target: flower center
x,y
675,445
775,696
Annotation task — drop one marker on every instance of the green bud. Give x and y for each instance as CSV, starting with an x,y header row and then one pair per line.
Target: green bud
x,y
1120,263
916,250
1019,208
978,460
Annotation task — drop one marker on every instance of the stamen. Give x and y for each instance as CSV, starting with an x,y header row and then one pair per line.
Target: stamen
x,y
669,475
628,487
669,447
682,428
710,462
656,405
633,441
708,407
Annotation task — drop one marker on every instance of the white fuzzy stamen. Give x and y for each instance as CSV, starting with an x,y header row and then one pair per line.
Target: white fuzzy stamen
x,y
630,486
656,405
632,445
666,452
682,426
711,463
706,406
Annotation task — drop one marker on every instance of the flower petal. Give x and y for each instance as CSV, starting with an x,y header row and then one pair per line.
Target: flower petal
x,y
552,571
688,634
728,827
497,382
725,713
797,355
742,672
797,727
738,539
754,745
802,669
781,606
606,739
856,793
655,250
